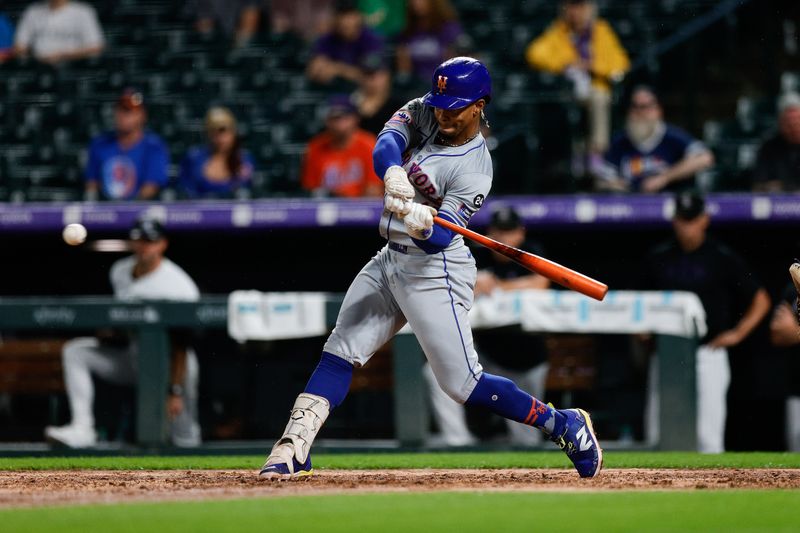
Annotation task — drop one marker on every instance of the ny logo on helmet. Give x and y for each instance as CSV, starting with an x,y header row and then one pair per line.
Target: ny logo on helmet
x,y
442,84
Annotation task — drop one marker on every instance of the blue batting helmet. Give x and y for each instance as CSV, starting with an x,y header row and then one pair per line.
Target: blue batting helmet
x,y
458,82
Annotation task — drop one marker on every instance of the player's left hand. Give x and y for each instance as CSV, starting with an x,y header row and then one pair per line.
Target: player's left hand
x,y
396,204
419,220
174,406
726,339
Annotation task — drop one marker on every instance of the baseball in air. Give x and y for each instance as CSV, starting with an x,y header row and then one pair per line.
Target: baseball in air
x,y
74,234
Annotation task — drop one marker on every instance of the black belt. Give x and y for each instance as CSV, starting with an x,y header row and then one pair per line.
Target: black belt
x,y
402,248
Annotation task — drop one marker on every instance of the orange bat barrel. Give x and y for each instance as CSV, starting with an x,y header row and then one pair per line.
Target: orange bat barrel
x,y
556,273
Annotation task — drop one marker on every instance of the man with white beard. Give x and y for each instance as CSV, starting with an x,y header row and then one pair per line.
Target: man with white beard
x,y
650,155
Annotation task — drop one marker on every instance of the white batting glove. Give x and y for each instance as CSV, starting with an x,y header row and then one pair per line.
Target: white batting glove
x,y
395,183
419,221
397,205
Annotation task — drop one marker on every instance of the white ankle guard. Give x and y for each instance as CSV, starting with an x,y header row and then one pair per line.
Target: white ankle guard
x,y
308,414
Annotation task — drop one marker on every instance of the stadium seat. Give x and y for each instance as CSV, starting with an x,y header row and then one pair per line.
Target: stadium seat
x,y
152,44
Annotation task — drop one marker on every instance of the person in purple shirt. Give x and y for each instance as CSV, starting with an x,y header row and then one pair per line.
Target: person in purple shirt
x,y
650,155
221,169
129,163
430,37
348,51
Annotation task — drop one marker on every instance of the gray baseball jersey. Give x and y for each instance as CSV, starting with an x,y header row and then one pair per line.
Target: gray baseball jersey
x,y
403,284
454,180
167,282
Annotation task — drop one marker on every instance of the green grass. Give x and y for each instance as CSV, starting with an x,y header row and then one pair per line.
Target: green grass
x,y
464,512
414,460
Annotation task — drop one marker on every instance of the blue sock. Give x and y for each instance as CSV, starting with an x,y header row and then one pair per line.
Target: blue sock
x,y
331,379
503,397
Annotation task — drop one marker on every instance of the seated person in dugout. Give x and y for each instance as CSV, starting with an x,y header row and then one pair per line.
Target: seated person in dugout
x,y
145,275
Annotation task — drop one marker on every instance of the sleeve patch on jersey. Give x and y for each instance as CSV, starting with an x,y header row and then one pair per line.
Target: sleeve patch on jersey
x,y
466,212
401,117
478,201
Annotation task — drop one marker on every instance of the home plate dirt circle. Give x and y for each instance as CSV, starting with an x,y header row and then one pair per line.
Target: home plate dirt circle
x,y
35,488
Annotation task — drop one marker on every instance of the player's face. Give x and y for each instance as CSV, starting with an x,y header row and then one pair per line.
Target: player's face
x,y
690,233
512,237
127,121
453,123
149,251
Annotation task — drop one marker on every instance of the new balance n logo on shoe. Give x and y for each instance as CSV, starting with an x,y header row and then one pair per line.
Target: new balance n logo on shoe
x,y
584,440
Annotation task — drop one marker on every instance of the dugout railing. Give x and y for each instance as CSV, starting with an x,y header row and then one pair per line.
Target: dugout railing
x,y
675,317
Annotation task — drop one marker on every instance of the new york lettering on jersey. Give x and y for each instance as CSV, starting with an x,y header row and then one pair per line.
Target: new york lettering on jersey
x,y
454,180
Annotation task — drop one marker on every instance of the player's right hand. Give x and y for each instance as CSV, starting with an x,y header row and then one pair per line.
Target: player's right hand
x,y
396,183
419,221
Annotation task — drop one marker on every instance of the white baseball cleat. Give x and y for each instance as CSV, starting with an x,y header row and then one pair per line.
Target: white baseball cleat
x,y
291,455
282,464
72,436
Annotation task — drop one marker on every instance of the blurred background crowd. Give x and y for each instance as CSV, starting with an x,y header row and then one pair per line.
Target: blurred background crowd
x,y
164,100
138,99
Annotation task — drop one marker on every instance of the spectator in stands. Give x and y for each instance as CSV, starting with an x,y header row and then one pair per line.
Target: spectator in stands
x,y
338,161
785,333
145,275
237,18
650,155
507,350
57,31
734,301
130,162
376,101
431,36
306,18
348,51
6,37
778,161
385,17
222,169
584,49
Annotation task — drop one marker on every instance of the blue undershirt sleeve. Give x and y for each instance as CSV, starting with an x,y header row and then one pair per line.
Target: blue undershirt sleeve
x,y
388,152
439,239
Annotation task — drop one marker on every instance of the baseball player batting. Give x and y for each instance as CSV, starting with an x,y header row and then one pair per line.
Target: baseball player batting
x,y
433,160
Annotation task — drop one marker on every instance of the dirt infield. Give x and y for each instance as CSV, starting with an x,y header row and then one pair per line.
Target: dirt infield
x,y
34,488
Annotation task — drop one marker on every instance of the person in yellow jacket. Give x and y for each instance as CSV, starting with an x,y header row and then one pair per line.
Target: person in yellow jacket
x,y
586,50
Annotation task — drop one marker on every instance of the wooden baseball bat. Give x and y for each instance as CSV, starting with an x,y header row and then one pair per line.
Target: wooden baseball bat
x,y
553,271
